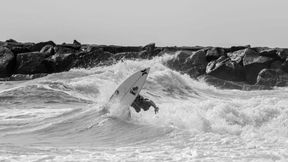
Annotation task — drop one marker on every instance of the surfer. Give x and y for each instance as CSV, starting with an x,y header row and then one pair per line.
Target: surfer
x,y
143,103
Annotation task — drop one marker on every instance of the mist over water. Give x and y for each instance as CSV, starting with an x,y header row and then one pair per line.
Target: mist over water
x,y
59,118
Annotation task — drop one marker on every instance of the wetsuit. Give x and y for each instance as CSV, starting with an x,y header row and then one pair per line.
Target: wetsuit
x,y
143,103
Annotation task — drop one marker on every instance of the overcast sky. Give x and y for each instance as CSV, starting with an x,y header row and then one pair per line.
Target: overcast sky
x,y
138,22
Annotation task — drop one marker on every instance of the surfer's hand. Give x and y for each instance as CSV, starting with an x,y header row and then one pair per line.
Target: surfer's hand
x,y
156,110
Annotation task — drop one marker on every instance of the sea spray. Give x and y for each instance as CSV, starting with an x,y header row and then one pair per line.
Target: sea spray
x,y
63,112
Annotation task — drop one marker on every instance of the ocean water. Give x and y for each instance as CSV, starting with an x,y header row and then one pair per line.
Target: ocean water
x,y
59,118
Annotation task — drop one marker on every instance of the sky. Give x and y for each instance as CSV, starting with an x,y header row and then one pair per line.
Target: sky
x,y
138,22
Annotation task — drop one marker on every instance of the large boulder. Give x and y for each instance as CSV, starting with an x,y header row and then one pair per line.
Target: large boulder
x,y
48,50
272,77
282,53
176,62
75,42
253,64
237,56
60,62
65,49
214,53
195,64
272,53
17,47
7,62
40,45
192,63
11,41
150,54
226,69
149,47
31,63
90,59
276,64
150,51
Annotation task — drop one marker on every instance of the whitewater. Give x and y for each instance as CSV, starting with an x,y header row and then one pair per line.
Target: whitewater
x,y
59,118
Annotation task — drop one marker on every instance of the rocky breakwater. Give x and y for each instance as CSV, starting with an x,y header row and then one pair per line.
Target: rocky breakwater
x,y
239,67
22,61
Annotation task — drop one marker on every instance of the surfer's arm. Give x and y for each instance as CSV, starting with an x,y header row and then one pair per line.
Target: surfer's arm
x,y
156,108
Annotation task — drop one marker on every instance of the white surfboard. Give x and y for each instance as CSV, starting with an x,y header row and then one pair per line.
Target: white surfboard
x,y
126,93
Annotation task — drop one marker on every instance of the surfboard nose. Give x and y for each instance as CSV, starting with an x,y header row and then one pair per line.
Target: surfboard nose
x,y
145,71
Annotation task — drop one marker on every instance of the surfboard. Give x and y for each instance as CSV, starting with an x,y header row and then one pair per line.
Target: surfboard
x,y
126,93
128,90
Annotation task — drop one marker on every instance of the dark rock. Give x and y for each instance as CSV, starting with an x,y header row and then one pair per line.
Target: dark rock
x,y
237,56
194,48
7,62
282,78
259,49
272,77
143,55
107,60
267,77
75,45
276,64
195,64
120,49
149,51
192,63
149,55
149,47
31,63
183,48
48,50
226,69
284,66
75,42
272,53
90,48
17,47
38,46
60,62
282,53
90,59
11,41
253,64
214,53
65,49
2,43
176,62
236,48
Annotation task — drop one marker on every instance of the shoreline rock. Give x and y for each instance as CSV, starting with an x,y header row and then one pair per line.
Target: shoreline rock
x,y
237,67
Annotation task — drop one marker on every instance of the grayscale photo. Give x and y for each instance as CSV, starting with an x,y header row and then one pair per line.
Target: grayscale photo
x,y
144,81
